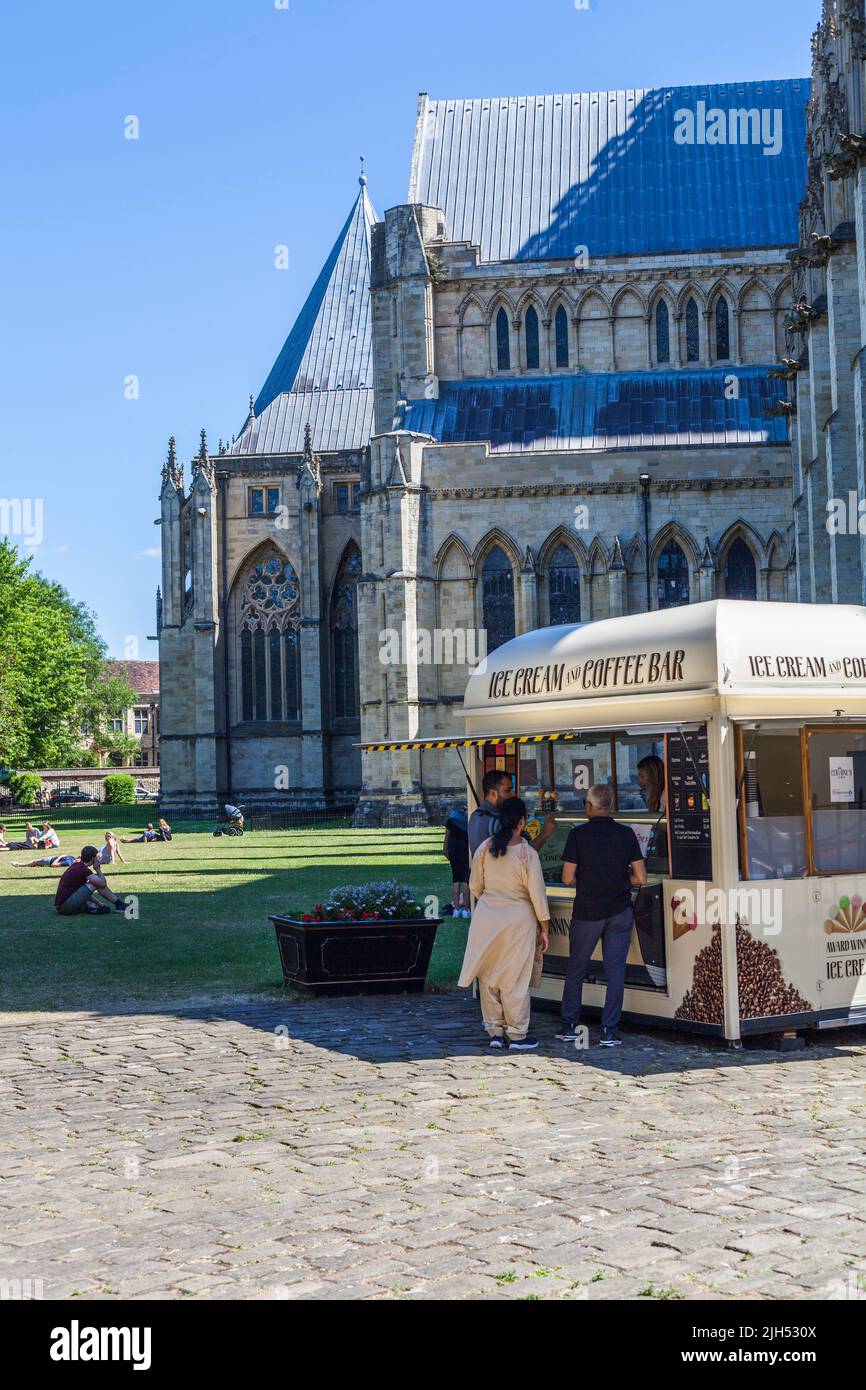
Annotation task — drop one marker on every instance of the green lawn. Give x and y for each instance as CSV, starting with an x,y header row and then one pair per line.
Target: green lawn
x,y
204,907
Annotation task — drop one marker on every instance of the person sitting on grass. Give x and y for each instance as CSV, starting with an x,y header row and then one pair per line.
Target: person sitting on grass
x,y
54,861
147,838
3,844
110,852
162,833
47,837
30,841
82,882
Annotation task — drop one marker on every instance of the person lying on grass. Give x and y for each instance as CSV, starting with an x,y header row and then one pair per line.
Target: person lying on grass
x,y
54,861
81,883
163,832
109,854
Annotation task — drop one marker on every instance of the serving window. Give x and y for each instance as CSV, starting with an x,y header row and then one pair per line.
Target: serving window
x,y
835,773
801,801
556,776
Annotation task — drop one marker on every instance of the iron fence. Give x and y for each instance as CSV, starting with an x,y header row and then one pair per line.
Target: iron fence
x,y
338,817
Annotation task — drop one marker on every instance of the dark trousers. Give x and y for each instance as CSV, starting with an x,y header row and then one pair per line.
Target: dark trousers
x,y
583,937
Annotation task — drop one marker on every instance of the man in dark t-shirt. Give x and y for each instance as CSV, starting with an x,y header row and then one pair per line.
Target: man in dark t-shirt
x,y
80,884
603,860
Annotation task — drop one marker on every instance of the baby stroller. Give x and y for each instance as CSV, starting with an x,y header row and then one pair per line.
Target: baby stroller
x,y
233,824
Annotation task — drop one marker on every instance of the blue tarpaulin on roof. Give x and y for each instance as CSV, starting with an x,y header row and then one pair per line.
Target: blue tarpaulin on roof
x,y
620,173
625,410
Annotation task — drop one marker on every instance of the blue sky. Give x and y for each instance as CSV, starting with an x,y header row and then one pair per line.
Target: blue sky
x,y
155,257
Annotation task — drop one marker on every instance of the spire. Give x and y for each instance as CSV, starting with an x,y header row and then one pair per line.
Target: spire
x,y
158,609
330,346
171,472
707,557
363,177
202,463
252,415
617,563
309,465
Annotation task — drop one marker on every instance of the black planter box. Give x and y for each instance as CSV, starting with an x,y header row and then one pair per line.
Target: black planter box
x,y
352,957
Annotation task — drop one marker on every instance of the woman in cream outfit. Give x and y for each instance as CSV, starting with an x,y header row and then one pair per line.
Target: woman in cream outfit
x,y
511,915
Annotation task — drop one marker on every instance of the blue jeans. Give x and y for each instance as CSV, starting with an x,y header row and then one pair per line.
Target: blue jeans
x,y
583,937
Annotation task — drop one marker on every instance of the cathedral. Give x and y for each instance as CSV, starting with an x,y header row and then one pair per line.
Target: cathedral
x,y
583,371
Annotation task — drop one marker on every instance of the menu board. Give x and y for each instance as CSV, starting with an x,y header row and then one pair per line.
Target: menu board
x,y
688,798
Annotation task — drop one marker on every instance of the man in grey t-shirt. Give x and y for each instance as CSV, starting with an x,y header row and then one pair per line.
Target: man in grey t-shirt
x,y
498,787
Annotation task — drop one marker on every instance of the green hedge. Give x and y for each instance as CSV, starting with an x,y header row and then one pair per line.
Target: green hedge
x,y
120,789
24,786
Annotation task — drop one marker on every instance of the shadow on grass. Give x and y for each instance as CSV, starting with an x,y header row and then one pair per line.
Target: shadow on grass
x,y
187,943
213,956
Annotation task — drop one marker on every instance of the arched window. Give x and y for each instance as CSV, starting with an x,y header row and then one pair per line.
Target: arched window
x,y
663,332
187,560
497,598
561,329
563,587
531,322
344,636
673,577
270,618
693,333
723,330
503,345
741,575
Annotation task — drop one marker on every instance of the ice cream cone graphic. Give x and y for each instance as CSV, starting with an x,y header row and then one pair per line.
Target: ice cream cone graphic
x,y
837,921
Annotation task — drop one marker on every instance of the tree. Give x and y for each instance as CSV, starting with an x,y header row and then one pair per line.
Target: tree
x,y
52,664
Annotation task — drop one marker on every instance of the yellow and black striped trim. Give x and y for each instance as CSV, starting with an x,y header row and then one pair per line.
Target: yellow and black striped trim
x,y
433,744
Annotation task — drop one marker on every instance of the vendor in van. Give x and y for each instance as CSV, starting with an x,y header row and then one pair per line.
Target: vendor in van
x,y
602,861
498,787
651,776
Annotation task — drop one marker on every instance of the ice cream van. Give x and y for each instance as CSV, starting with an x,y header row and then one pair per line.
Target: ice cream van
x,y
733,736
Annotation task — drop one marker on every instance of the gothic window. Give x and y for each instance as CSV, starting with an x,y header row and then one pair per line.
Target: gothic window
x,y
561,330
723,330
186,561
497,599
532,351
741,575
270,619
673,577
693,335
563,587
663,332
344,636
503,346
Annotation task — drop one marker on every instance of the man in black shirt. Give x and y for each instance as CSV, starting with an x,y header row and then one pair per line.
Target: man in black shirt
x,y
603,860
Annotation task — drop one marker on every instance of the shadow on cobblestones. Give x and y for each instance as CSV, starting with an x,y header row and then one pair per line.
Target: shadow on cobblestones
x,y
373,1149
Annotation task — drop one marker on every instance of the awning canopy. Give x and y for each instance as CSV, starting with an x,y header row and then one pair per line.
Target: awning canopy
x,y
424,744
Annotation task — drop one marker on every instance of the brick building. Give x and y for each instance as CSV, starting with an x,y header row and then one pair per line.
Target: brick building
x,y
141,719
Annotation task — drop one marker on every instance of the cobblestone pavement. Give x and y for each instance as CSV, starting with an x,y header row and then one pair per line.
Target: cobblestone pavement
x,y
370,1149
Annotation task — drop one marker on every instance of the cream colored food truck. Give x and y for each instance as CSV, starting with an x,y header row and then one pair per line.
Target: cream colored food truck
x,y
754,715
